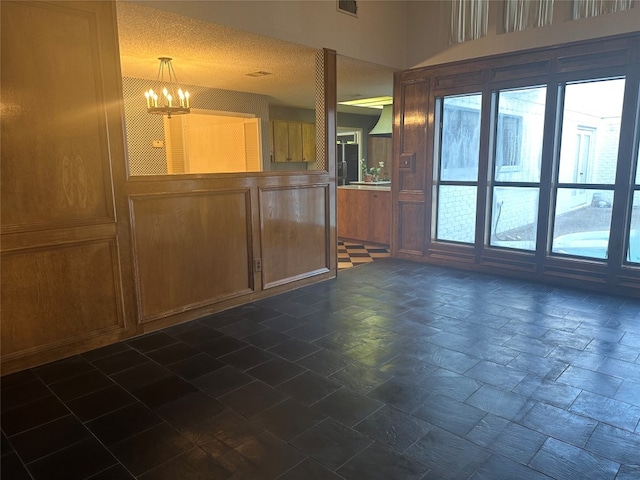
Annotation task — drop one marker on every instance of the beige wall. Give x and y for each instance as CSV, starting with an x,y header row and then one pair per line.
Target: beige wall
x,y
377,35
400,34
429,46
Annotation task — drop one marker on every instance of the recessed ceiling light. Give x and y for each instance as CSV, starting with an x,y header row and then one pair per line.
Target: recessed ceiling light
x,y
260,73
373,102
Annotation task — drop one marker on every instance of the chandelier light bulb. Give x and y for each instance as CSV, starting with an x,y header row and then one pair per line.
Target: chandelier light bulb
x,y
170,91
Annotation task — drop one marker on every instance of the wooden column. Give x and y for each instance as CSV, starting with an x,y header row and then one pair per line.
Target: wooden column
x,y
326,134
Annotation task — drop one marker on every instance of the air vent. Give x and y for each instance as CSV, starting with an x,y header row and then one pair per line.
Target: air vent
x,y
260,73
348,6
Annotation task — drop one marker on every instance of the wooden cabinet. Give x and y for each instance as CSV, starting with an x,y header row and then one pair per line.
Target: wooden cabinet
x,y
364,215
308,142
292,141
380,216
279,133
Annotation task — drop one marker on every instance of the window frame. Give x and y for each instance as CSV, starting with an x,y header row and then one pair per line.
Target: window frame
x,y
437,173
417,92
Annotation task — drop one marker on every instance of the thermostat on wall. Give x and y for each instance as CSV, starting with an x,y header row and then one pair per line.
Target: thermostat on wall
x,y
158,144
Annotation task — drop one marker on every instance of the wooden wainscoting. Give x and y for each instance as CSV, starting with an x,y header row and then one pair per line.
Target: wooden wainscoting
x,y
191,249
295,237
50,299
205,243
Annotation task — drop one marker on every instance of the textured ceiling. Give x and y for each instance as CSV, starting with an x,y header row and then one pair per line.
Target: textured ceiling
x,y
220,57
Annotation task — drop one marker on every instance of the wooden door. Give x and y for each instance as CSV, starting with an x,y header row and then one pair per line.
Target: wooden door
x,y
65,256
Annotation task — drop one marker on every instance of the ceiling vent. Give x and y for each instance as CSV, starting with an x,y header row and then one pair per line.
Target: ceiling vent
x,y
259,73
348,6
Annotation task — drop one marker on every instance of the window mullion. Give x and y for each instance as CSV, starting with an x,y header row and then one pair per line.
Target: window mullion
x,y
548,172
485,171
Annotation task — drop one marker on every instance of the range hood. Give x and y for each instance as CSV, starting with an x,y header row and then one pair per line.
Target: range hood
x,y
385,122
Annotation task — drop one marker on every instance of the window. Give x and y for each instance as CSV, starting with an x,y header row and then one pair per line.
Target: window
x,y
592,8
633,237
525,163
204,142
348,6
459,150
587,167
469,20
522,14
509,149
516,166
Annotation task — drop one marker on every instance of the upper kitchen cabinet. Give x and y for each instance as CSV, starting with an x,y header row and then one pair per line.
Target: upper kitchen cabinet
x,y
308,142
292,141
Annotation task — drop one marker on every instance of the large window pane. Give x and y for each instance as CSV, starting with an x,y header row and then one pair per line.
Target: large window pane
x,y
460,138
588,156
633,252
590,132
633,238
514,217
638,163
519,134
582,222
456,218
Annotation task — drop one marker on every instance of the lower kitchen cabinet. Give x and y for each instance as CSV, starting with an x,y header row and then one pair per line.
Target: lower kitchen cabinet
x,y
364,214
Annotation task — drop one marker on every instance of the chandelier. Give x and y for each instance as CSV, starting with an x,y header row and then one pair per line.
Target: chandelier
x,y
174,101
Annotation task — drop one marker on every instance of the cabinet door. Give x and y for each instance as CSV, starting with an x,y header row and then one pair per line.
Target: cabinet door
x,y
295,142
380,217
353,214
308,142
280,141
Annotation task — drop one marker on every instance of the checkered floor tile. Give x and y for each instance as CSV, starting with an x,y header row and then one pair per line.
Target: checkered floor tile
x,y
352,254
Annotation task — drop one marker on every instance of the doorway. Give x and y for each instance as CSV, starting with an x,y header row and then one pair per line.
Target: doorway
x,y
349,143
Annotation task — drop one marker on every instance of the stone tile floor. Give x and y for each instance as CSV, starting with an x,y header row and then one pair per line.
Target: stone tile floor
x,y
395,370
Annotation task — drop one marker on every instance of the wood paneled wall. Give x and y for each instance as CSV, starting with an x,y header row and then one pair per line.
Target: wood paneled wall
x,y
185,243
64,282
203,243
90,256
295,237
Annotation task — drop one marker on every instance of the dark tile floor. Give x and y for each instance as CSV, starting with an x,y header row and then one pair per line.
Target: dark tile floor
x,y
395,370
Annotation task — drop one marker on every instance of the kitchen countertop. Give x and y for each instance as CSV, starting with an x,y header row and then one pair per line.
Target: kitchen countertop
x,y
381,182
380,187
